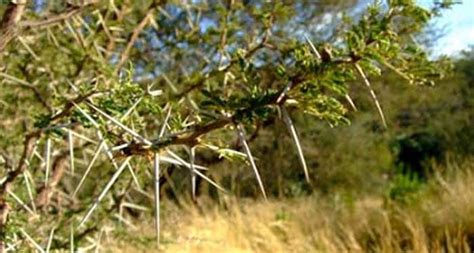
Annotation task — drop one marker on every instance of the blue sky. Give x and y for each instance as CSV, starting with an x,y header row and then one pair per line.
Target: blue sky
x,y
459,27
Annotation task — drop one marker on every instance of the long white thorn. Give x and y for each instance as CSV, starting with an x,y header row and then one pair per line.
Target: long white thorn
x,y
315,51
210,181
185,164
105,190
119,124
241,134
156,174
107,150
71,239
193,173
37,246
82,137
134,176
372,93
123,220
50,240
284,92
30,191
89,167
99,135
22,204
294,136
99,237
130,110
28,48
47,160
135,206
35,152
351,102
156,178
119,147
179,161
71,150
165,122
88,117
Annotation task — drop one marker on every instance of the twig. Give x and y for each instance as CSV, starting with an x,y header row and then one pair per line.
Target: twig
x,y
48,21
134,36
28,147
30,86
58,169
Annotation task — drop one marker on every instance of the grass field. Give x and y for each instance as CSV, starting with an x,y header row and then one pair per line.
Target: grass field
x,y
438,217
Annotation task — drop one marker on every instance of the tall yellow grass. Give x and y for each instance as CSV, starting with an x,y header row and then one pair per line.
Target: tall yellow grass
x,y
438,219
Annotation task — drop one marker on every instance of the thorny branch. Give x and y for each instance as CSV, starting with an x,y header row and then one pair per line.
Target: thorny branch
x,y
28,147
51,20
134,36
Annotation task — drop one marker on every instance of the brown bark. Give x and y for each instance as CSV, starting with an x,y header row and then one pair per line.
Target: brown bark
x,y
46,191
7,184
8,25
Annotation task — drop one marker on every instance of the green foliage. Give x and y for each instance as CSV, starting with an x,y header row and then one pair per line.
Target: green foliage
x,y
404,188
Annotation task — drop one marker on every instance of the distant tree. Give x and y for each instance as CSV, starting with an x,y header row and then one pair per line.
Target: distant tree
x,y
135,81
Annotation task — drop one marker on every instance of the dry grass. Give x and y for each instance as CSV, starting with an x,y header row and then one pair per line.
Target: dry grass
x,y
439,219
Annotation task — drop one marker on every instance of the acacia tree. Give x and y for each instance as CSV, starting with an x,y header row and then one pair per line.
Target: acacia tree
x,y
92,89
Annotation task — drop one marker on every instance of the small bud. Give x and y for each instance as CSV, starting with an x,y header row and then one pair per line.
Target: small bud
x,y
326,53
